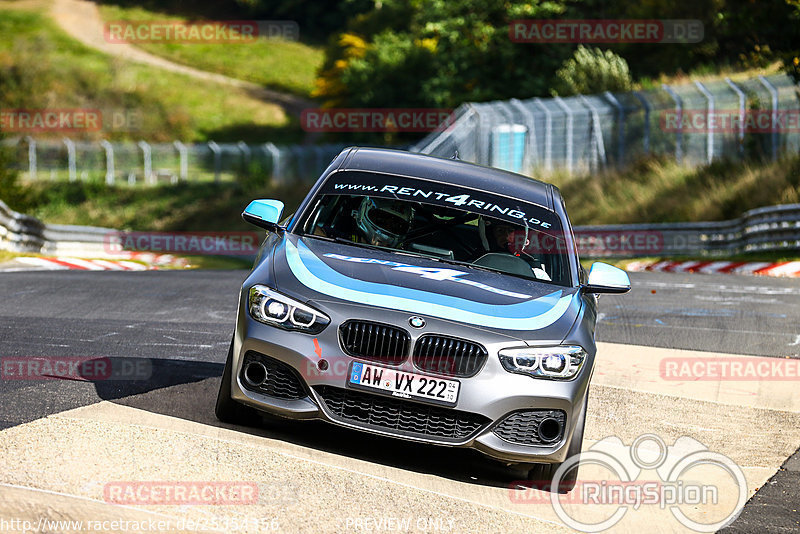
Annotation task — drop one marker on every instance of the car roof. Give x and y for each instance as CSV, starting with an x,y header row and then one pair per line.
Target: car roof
x,y
450,171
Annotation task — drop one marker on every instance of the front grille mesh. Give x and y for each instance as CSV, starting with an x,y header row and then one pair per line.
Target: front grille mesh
x,y
283,382
449,356
375,341
405,417
523,427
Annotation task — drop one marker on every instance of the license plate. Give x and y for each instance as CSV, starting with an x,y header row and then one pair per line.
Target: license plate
x,y
403,384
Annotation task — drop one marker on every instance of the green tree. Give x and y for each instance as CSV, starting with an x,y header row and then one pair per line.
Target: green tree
x,y
439,53
591,70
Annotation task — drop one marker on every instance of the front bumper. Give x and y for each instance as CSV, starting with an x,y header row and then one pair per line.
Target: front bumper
x,y
485,400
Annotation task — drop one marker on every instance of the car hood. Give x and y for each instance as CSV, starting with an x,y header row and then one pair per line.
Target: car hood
x,y
319,270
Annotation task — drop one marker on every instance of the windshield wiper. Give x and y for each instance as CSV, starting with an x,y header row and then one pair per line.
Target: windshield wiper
x,y
344,241
447,260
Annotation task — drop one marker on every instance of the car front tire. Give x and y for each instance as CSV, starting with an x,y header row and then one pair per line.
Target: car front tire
x,y
543,473
228,410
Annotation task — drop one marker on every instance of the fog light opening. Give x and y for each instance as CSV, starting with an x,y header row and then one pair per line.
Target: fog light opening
x,y
549,430
255,373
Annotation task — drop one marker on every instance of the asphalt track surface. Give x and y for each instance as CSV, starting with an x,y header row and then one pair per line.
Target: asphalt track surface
x,y
181,323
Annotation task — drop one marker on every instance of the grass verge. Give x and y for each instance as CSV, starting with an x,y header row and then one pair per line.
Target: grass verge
x,y
6,255
660,190
179,207
42,67
289,66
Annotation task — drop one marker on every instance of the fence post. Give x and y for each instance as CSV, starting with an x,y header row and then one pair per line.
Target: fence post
x,y
275,154
147,157
31,156
568,113
183,155
620,126
73,174
709,113
646,106
774,92
299,153
245,150
548,134
214,147
598,147
742,109
531,151
679,133
319,151
483,139
109,148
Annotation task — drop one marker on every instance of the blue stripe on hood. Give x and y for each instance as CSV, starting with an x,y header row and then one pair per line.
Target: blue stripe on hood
x,y
530,315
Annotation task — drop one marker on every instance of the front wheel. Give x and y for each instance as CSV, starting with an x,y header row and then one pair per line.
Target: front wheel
x,y
227,409
543,473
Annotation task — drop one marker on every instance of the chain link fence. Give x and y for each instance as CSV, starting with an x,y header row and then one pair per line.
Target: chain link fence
x,y
696,122
151,163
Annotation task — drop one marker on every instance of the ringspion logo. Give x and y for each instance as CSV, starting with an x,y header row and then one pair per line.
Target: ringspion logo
x,y
701,489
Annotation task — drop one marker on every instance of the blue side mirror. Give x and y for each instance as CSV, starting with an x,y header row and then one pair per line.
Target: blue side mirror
x,y
604,278
264,213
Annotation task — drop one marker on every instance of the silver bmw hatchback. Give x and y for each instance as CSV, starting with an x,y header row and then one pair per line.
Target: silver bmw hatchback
x,y
425,299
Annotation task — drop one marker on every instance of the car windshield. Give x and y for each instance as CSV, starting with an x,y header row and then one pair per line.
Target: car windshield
x,y
493,233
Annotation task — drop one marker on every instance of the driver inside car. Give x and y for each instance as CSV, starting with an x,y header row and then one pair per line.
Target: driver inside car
x,y
499,237
383,222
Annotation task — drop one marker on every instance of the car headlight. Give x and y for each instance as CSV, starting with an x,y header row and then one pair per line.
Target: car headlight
x,y
273,308
560,363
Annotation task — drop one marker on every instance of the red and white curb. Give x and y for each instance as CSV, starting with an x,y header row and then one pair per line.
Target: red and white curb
x,y
155,259
80,264
786,268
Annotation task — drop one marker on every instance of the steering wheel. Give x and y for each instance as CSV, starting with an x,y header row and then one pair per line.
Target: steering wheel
x,y
435,226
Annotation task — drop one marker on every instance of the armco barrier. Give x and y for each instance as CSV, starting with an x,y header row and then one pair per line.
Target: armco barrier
x,y
770,229
19,232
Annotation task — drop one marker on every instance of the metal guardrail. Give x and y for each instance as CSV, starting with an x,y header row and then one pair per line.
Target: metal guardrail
x,y
769,229
19,232
23,233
